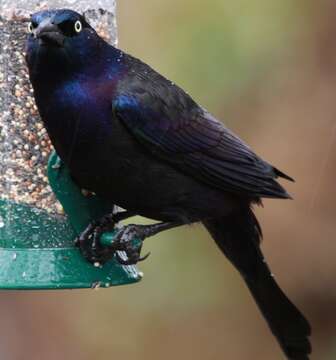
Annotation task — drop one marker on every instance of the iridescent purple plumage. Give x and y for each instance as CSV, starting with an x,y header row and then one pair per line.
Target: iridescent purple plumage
x,y
134,138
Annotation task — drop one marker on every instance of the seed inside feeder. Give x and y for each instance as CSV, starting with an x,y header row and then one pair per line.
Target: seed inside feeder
x,y
24,143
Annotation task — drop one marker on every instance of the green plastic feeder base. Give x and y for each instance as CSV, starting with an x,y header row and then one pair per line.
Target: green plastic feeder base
x,y
37,248
38,269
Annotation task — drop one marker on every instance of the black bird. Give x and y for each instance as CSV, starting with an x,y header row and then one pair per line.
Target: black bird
x,y
135,138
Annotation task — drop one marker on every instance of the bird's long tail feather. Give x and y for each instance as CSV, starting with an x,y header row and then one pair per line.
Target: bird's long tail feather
x,y
238,236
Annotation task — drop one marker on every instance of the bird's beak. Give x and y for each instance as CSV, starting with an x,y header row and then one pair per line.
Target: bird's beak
x,y
49,33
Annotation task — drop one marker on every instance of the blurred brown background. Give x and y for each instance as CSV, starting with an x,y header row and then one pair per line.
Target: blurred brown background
x,y
267,68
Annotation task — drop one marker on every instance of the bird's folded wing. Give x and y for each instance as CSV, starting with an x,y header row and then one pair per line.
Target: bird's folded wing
x,y
192,140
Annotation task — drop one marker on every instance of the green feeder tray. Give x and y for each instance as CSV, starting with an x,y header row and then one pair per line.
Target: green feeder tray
x,y
37,249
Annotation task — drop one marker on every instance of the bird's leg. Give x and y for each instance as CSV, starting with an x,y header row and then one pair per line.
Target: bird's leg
x,y
129,239
88,241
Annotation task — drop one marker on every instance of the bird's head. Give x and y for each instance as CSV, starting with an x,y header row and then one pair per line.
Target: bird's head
x,y
60,40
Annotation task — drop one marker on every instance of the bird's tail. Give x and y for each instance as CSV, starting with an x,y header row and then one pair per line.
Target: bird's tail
x,y
238,236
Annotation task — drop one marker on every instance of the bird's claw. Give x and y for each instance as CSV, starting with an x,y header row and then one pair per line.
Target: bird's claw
x,y
129,240
126,245
89,241
132,258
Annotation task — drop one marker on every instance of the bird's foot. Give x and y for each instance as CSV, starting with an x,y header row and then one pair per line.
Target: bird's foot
x,y
129,239
89,241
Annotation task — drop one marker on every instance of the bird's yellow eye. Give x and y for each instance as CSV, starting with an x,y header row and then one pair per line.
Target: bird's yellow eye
x,y
30,27
78,26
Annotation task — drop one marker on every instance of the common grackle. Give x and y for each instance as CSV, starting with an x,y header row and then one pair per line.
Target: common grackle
x,y
135,138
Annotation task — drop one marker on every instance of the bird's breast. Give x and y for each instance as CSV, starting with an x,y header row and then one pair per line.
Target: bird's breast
x,y
76,118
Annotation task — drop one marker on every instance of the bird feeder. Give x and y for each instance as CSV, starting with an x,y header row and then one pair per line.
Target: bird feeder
x,y
41,210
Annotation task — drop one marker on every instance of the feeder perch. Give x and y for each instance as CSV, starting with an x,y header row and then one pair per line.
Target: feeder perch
x,y
37,251
37,240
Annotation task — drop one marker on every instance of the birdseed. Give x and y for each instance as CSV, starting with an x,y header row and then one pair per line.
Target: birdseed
x,y
24,143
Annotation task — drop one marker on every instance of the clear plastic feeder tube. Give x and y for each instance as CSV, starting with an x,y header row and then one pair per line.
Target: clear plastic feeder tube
x,y
24,143
37,249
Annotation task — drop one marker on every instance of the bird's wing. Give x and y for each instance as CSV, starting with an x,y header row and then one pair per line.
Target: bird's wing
x,y
173,127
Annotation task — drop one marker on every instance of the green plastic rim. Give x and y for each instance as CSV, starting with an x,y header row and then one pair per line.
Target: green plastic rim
x,y
42,269
37,248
